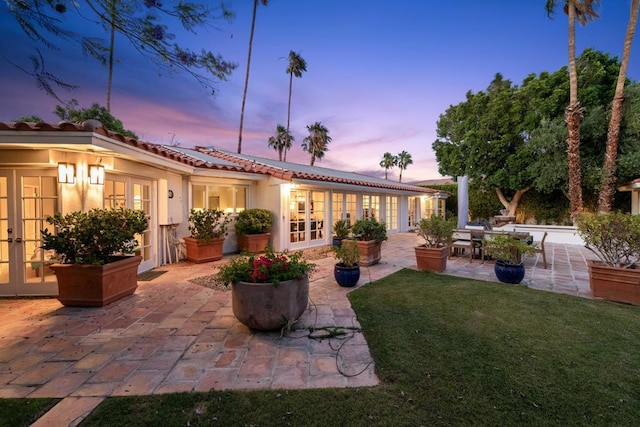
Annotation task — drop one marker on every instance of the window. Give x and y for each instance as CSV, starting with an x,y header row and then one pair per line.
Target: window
x,y
391,209
227,198
344,207
371,206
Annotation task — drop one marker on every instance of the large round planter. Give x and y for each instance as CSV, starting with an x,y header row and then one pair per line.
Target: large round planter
x,y
508,273
253,243
431,259
96,285
614,284
264,306
346,276
370,252
204,252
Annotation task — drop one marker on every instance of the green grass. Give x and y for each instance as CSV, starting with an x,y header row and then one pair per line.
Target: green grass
x,y
449,351
23,412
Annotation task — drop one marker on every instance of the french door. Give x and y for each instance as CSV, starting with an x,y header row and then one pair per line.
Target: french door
x,y
27,198
306,218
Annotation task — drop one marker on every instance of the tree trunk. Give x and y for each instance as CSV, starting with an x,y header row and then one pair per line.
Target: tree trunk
x,y
511,205
111,49
573,114
609,167
286,144
246,79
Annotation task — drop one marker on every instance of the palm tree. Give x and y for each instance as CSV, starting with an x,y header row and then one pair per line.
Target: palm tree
x,y
609,169
317,142
112,42
246,78
388,161
297,65
583,11
280,140
404,160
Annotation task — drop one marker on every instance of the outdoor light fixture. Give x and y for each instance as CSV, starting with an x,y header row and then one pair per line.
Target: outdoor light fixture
x,y
66,173
96,174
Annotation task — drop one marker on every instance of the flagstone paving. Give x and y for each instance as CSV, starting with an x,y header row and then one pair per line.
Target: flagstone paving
x,y
174,335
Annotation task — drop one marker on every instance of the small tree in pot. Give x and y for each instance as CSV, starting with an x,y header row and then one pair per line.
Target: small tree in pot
x,y
370,234
208,228
437,232
341,231
508,251
347,270
615,239
253,227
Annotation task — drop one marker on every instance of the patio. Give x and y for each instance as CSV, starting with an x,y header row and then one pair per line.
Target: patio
x,y
174,335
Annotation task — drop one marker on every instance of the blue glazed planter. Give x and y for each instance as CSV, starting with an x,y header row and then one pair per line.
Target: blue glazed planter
x,y
509,273
346,276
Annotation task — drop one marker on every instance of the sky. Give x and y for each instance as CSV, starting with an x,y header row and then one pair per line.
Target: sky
x,y
379,74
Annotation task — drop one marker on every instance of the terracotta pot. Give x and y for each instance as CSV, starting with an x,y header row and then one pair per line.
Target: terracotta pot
x,y
203,252
432,259
614,284
253,243
96,285
264,306
370,252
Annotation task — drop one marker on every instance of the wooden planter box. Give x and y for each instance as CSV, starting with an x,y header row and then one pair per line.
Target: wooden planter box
x,y
199,253
614,284
253,243
432,259
96,285
370,252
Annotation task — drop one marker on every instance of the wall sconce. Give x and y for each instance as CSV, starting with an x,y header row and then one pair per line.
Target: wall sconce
x,y
66,173
96,174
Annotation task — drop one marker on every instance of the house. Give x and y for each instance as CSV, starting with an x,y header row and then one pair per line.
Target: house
x,y
634,188
65,167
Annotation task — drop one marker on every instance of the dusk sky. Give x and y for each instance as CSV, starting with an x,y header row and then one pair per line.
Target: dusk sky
x,y
379,73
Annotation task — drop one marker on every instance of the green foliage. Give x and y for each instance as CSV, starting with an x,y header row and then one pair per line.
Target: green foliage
x,y
24,412
483,203
317,143
506,248
347,253
365,229
613,237
550,208
270,267
29,119
254,221
436,230
341,228
95,112
94,237
208,224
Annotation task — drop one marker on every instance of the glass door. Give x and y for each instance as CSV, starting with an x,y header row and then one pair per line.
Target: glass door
x,y
306,218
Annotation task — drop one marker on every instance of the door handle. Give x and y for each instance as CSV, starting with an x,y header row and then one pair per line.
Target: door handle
x,y
10,239
18,239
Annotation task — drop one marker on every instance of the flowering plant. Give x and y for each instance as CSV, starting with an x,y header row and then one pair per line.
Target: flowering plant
x,y
270,267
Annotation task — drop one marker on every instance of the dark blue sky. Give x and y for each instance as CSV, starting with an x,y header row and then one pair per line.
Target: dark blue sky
x,y
379,73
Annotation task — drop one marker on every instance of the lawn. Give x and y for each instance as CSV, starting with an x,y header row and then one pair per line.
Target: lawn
x,y
449,351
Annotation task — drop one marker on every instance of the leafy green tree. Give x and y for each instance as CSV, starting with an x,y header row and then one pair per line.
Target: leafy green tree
x,y
29,119
388,161
246,78
138,21
317,143
280,140
297,65
95,112
404,160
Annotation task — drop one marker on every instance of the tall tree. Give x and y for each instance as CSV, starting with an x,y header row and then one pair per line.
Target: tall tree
x,y
609,168
246,78
297,66
317,143
583,11
280,140
404,160
388,161
141,22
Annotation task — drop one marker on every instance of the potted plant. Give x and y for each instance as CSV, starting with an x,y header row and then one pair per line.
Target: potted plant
x,y
340,231
268,290
436,232
347,270
370,234
508,251
253,227
615,239
93,266
208,228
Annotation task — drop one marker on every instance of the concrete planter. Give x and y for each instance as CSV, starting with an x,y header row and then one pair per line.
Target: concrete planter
x,y
614,284
432,259
264,306
203,252
96,285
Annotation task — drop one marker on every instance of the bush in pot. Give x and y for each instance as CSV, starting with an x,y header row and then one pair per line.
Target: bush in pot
x,y
208,228
341,230
615,239
91,250
253,227
370,234
436,232
507,250
347,270
268,290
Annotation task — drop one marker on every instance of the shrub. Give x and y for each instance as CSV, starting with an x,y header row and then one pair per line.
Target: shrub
x,y
208,224
254,221
366,229
613,237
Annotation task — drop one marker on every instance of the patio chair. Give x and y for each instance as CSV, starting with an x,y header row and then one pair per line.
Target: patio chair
x,y
461,239
539,244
